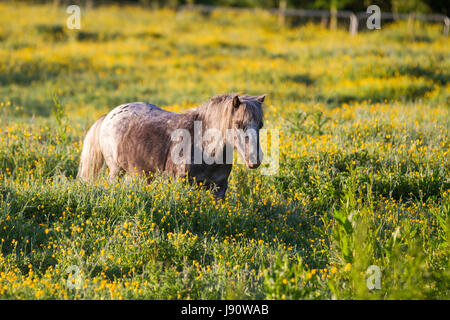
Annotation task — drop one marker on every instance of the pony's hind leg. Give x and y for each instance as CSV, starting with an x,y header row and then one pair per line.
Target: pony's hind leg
x,y
113,167
114,172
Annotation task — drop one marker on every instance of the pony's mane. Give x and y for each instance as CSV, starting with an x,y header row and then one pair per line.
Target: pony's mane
x,y
218,111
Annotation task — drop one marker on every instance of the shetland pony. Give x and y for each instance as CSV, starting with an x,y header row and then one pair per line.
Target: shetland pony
x,y
139,138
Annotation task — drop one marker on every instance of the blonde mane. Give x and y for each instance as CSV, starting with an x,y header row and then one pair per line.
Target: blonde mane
x,y
218,112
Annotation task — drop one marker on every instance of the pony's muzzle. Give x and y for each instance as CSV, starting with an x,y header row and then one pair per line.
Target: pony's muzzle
x,y
253,162
249,147
252,166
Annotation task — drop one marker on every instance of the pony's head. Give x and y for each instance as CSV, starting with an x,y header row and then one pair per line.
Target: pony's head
x,y
246,121
239,119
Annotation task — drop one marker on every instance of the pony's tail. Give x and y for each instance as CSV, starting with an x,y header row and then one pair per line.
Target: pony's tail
x,y
91,156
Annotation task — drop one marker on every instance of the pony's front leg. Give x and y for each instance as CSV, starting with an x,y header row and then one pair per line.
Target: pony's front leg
x,y
220,191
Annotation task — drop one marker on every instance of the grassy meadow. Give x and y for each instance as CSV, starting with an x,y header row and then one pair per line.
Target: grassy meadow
x,y
364,166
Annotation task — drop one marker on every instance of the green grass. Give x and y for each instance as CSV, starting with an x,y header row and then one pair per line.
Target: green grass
x,y
364,160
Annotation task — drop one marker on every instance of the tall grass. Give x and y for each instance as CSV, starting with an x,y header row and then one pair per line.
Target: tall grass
x,y
363,188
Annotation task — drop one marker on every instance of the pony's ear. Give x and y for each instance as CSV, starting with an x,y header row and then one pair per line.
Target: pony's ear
x,y
236,102
261,98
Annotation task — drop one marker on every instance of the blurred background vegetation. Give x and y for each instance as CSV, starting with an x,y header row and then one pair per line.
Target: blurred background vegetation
x,y
364,164
395,6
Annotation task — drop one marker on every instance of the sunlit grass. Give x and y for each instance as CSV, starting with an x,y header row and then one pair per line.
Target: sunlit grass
x,y
364,159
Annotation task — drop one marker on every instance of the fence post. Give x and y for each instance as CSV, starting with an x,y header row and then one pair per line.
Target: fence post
x,y
353,24
282,12
446,26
